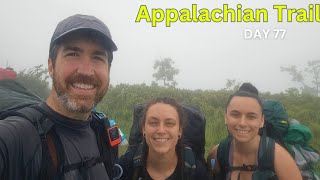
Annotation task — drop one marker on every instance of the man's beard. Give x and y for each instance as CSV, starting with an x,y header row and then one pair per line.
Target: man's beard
x,y
78,103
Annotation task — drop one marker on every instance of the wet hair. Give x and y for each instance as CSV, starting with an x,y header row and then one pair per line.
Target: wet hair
x,y
249,88
179,146
86,34
246,90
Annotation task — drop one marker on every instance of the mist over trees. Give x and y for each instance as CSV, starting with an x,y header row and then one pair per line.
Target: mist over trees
x,y
232,84
165,72
35,79
308,77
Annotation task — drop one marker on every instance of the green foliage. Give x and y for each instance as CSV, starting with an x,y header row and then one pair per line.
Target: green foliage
x,y
35,79
165,72
293,92
232,84
309,78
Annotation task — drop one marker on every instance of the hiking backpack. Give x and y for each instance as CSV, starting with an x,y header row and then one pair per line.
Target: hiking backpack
x,y
14,96
16,100
292,135
193,139
276,120
7,73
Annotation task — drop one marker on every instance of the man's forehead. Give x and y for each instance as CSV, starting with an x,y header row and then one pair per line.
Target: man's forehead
x,y
78,44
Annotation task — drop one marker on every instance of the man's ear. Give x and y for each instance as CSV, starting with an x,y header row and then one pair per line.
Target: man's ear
x,y
50,67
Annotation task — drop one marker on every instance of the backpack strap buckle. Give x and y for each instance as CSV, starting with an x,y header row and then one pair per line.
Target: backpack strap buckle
x,y
243,168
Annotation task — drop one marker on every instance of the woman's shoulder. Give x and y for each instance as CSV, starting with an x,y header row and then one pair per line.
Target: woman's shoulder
x,y
213,151
281,154
221,148
284,163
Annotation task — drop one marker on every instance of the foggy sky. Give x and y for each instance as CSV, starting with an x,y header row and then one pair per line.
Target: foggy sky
x,y
207,54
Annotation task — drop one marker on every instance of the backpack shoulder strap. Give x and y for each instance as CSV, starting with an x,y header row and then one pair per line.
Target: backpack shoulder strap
x,y
189,167
265,169
100,124
29,113
138,162
36,115
108,153
52,151
50,156
266,153
223,156
137,159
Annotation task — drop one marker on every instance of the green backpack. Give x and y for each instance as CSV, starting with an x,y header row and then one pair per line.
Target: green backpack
x,y
276,120
297,143
293,136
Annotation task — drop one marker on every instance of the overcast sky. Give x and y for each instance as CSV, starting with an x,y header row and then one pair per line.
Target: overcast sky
x,y
207,54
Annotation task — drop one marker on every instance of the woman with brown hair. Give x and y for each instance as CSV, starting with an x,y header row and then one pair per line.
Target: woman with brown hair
x,y
161,156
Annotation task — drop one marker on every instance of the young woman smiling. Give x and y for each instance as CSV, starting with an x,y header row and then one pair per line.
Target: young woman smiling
x,y
237,157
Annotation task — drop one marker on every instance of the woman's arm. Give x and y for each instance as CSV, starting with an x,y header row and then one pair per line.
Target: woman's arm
x,y
284,165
